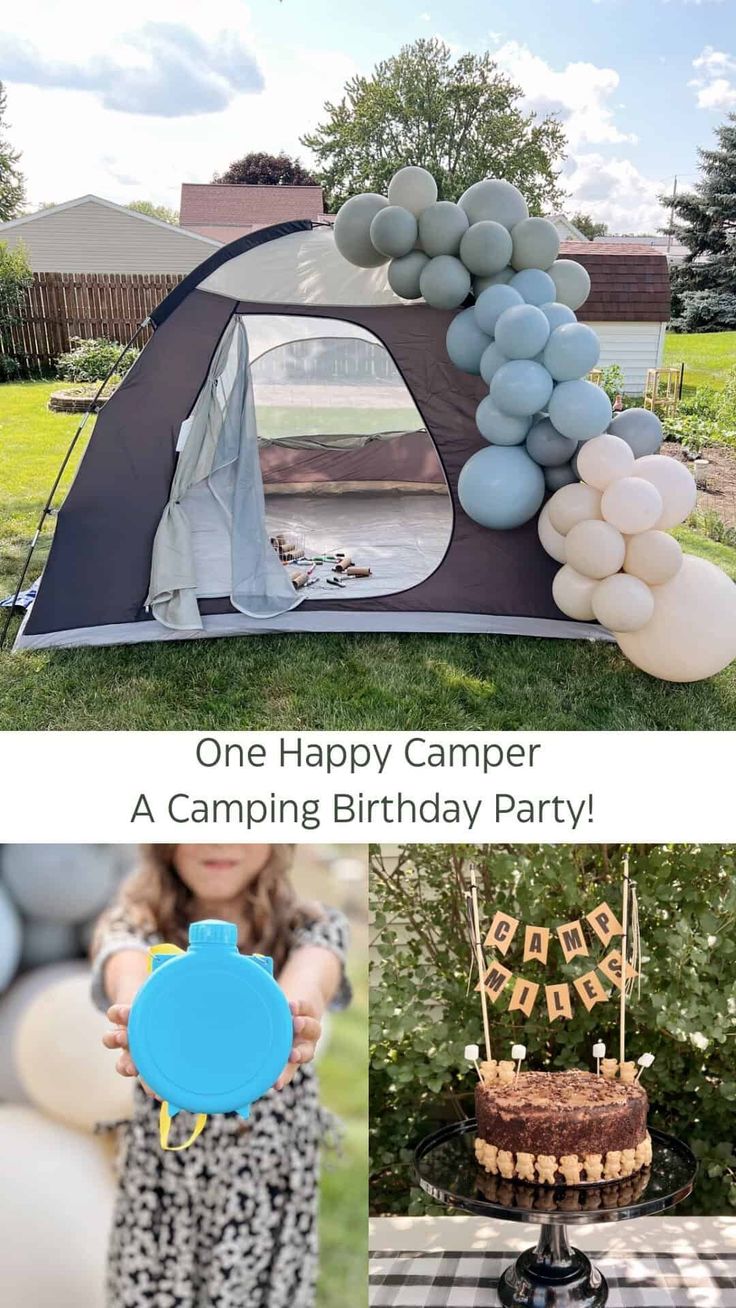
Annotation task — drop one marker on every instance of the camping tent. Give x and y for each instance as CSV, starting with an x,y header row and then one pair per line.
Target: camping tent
x,y
286,393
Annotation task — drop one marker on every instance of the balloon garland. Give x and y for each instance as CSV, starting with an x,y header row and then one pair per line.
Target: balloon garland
x,y
547,428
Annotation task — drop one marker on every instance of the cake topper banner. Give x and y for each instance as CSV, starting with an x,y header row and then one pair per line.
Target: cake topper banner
x,y
571,935
590,988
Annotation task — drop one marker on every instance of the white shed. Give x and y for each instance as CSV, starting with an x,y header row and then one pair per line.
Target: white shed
x,y
92,235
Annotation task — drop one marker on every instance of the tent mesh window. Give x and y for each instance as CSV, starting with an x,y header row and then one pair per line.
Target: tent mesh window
x,y
347,463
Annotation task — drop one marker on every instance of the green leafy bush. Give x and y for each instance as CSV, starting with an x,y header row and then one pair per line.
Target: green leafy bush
x,y
10,369
15,278
711,525
613,381
422,1014
91,360
705,417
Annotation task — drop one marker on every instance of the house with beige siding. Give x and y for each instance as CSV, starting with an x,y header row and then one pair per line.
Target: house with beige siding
x,y
92,235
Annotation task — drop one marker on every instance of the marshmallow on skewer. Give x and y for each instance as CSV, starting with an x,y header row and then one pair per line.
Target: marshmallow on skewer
x,y
645,1061
472,1054
599,1052
518,1053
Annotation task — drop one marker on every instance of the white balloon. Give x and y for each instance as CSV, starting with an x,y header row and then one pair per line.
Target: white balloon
x,y
595,548
623,603
485,249
441,228
413,188
572,282
604,459
536,243
573,504
444,282
692,633
551,540
653,556
57,1190
534,286
522,331
573,594
675,484
491,303
404,274
13,1005
70,1076
579,409
495,200
491,360
631,504
393,231
353,230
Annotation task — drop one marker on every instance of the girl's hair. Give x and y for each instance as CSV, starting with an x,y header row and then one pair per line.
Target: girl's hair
x,y
156,901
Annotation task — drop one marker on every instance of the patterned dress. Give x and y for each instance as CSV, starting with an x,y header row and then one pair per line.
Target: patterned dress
x,y
231,1222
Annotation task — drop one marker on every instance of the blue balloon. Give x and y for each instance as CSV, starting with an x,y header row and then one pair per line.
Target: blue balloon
x,y
521,387
579,409
501,487
522,331
534,286
499,428
10,939
561,475
557,314
466,342
491,361
571,351
491,303
548,447
640,428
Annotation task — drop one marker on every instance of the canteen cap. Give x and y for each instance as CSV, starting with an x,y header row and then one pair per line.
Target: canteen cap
x,y
212,932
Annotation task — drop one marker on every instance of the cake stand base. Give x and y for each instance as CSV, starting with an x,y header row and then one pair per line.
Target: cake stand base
x,y
553,1275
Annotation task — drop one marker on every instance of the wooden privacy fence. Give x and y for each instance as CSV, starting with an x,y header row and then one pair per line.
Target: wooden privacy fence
x,y
59,306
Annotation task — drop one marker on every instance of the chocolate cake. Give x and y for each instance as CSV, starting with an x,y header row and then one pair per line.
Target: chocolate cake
x,y
562,1127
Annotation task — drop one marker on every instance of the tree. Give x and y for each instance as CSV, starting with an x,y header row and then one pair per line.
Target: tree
x,y
462,120
261,169
588,226
704,219
160,211
12,182
15,279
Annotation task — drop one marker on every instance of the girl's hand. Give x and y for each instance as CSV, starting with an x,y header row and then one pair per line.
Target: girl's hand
x,y
307,1031
119,1015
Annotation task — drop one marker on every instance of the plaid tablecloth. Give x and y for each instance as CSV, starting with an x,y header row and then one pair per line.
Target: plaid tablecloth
x,y
468,1280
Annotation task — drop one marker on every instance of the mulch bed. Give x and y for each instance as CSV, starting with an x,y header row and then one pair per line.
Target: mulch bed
x,y
719,493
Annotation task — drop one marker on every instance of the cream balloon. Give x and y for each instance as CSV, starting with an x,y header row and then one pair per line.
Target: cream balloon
x,y
13,1006
623,603
573,594
653,557
551,541
692,632
594,548
631,504
572,504
603,460
61,1062
675,484
57,1190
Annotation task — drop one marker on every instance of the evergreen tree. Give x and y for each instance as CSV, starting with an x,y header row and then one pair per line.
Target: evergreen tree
x,y
704,219
12,183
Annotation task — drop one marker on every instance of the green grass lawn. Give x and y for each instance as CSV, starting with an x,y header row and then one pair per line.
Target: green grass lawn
x,y
343,1078
315,682
708,356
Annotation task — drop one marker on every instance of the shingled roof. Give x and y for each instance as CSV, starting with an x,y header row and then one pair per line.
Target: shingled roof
x,y
629,283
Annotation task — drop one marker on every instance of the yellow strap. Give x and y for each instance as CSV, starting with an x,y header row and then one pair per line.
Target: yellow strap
x,y
162,949
164,1127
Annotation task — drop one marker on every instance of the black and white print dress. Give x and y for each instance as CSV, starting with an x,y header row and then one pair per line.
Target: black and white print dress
x,y
232,1221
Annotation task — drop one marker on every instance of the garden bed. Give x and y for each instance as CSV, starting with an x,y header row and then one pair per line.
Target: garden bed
x,y
78,400
718,495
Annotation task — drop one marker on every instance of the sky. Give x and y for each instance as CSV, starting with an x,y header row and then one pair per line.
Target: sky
x,y
128,102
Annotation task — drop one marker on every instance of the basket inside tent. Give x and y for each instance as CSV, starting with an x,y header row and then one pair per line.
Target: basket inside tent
x,y
347,464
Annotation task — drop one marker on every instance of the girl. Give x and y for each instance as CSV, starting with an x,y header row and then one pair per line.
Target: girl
x,y
231,1222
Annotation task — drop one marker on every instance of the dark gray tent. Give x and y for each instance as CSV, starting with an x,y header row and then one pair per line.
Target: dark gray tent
x,y
285,395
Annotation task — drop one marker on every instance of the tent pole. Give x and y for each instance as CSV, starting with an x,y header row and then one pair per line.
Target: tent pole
x,y
50,499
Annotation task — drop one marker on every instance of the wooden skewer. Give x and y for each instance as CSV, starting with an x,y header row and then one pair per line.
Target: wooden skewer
x,y
624,953
480,959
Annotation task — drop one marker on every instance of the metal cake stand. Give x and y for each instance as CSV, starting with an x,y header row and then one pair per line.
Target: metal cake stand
x,y
552,1275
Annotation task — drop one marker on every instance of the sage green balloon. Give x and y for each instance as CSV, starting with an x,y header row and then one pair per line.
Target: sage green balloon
x,y
441,228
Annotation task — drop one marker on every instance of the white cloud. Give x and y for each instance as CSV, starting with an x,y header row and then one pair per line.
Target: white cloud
x,y
613,191
580,94
715,85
